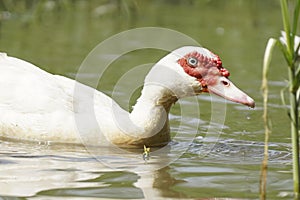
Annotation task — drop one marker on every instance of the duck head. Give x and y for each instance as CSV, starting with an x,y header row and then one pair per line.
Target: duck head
x,y
202,70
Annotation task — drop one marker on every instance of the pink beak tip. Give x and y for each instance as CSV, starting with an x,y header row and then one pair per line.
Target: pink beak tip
x,y
250,102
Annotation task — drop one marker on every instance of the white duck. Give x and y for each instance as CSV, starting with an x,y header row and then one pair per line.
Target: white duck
x,y
36,105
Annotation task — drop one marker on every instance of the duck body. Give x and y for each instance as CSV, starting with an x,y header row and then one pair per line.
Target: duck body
x,y
38,106
33,102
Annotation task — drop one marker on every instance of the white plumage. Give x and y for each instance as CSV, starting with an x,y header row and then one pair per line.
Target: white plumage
x,y
36,105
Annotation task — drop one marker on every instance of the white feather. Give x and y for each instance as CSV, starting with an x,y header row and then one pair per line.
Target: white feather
x,y
36,105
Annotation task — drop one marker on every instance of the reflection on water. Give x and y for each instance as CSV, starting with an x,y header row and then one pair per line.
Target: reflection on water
x,y
35,170
57,35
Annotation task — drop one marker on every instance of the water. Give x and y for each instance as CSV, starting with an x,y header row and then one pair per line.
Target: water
x,y
58,35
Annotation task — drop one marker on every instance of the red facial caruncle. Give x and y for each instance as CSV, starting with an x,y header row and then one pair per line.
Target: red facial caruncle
x,y
203,68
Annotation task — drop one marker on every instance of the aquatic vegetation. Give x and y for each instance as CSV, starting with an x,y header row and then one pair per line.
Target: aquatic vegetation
x,y
289,44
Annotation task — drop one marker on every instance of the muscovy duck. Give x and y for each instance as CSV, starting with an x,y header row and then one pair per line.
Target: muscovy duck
x,y
36,105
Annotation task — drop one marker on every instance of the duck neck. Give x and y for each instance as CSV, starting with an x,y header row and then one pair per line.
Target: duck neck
x,y
151,111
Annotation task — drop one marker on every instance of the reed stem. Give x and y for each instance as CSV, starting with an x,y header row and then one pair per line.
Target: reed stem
x,y
294,84
294,117
264,86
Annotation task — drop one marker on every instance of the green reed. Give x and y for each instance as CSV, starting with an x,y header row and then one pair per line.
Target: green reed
x,y
292,58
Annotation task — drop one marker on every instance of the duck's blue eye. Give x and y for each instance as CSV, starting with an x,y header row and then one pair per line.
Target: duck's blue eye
x,y
192,61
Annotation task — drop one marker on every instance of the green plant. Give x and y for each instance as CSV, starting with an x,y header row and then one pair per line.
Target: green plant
x,y
290,51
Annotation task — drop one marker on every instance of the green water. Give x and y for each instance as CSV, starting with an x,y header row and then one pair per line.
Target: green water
x,y
58,35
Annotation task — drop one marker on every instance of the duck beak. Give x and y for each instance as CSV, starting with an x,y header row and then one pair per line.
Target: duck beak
x,y
223,87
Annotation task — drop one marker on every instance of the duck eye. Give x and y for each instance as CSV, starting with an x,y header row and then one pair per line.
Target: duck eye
x,y
192,61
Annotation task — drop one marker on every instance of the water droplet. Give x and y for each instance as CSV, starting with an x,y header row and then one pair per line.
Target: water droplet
x,y
199,138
